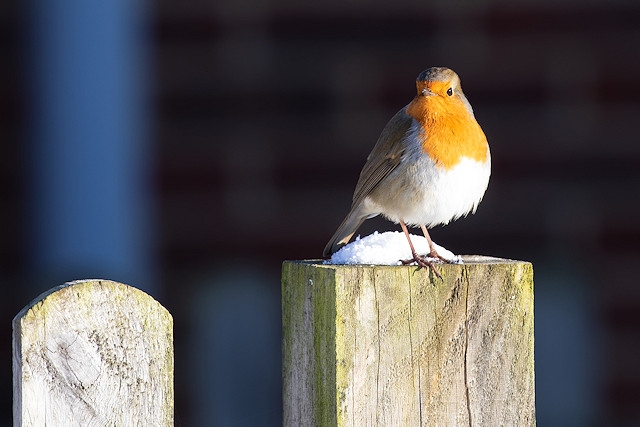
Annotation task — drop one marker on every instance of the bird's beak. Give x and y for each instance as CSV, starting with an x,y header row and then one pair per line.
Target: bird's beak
x,y
427,92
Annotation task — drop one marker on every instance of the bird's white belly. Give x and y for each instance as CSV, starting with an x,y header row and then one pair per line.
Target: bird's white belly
x,y
426,194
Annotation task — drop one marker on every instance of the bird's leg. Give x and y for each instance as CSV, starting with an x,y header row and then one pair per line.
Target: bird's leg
x,y
421,261
432,249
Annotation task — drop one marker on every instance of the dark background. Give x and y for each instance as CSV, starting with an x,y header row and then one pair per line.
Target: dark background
x,y
256,118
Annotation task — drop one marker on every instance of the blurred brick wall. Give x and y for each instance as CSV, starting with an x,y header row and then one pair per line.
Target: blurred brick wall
x,y
267,111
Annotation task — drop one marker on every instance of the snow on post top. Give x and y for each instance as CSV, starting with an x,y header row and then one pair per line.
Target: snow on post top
x,y
386,248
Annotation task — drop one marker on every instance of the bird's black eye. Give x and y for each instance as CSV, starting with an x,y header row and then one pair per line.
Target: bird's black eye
x,y
449,91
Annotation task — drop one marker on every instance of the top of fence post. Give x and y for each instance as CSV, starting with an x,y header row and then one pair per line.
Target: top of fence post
x,y
93,352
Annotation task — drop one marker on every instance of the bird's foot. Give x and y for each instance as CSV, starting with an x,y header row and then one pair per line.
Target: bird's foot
x,y
440,258
426,262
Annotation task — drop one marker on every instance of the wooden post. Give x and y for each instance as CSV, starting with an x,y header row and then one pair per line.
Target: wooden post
x,y
395,346
93,352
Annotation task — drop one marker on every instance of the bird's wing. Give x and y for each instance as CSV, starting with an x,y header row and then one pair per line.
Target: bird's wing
x,y
385,156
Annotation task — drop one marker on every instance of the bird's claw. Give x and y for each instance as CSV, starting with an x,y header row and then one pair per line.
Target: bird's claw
x,y
424,263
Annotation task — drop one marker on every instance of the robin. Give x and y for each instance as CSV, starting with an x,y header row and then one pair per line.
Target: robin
x,y
430,166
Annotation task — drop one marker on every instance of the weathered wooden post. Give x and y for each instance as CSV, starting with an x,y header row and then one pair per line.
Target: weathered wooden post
x,y
395,346
93,353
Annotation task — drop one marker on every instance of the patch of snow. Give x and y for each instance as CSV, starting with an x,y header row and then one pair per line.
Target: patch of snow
x,y
386,248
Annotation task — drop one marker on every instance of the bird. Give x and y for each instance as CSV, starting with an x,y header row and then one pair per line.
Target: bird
x,y
430,166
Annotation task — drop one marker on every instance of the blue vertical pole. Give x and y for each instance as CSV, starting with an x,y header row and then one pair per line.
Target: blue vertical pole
x,y
90,153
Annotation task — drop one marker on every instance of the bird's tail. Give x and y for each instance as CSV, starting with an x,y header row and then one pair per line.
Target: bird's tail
x,y
346,230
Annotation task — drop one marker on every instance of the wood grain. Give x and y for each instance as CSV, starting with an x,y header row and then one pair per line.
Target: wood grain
x,y
395,346
93,353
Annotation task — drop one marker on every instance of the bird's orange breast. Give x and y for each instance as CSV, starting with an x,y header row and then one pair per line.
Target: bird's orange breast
x,y
449,130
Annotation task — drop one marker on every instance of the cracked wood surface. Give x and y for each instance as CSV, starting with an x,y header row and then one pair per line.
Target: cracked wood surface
x,y
93,353
395,346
